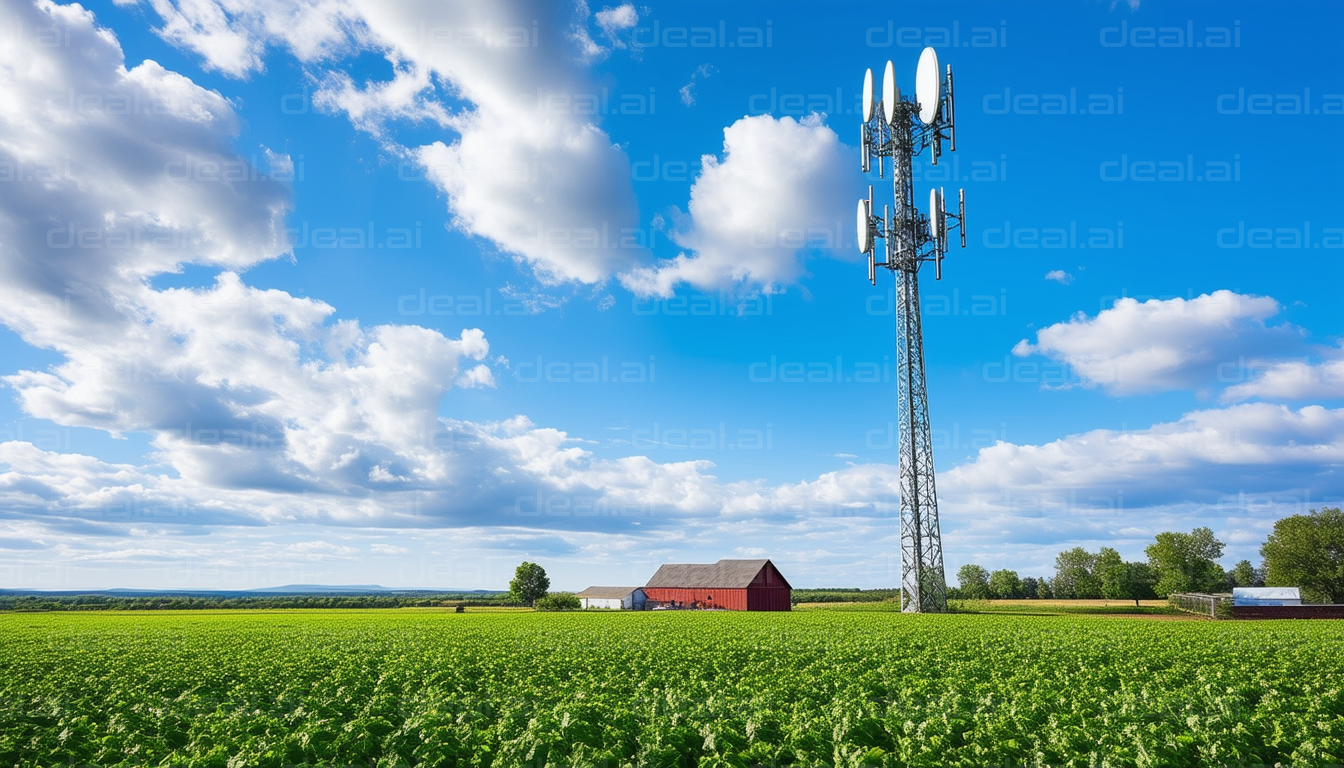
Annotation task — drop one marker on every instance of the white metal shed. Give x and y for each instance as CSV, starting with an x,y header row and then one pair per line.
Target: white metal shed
x,y
613,598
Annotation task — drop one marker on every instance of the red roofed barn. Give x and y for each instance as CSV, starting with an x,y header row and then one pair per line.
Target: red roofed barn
x,y
735,585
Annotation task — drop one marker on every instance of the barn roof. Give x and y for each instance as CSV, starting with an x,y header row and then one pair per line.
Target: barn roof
x,y
726,574
610,593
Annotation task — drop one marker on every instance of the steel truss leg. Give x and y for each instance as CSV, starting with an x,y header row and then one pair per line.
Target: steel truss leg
x,y
921,540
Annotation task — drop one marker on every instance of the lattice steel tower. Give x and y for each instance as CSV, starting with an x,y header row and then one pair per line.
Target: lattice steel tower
x,y
902,129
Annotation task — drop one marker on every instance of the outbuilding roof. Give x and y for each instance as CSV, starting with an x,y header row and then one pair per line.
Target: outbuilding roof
x,y
607,593
1266,596
725,574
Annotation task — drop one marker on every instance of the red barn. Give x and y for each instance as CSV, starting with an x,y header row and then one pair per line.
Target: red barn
x,y
737,585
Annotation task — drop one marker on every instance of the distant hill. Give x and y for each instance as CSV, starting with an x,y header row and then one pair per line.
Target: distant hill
x,y
344,589
366,589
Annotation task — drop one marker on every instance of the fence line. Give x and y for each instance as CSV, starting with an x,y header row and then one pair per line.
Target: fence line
x,y
1200,602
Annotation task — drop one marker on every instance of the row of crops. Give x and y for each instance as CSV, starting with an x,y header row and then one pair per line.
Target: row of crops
x,y
392,688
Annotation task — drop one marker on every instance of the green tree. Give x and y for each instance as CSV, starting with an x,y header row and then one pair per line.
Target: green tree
x,y
1121,580
1107,561
1044,589
1074,575
529,583
1186,562
1243,574
1307,551
1031,587
1005,584
974,582
1110,571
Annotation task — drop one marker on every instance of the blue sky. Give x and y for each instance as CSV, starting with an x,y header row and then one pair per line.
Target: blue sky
x,y
404,294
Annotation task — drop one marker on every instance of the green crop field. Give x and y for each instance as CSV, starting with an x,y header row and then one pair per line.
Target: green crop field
x,y
809,688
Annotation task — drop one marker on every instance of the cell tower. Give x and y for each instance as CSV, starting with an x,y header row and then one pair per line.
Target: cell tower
x,y
902,129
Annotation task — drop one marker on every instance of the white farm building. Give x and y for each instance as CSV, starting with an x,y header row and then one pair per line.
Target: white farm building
x,y
613,598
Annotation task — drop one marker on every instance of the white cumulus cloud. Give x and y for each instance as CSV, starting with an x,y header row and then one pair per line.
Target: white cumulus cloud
x,y
1165,344
1288,379
782,189
1260,446
120,174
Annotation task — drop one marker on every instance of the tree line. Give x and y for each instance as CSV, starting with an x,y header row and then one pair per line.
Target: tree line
x,y
1305,551
101,602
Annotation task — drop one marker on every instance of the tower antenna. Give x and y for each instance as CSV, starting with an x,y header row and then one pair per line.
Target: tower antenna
x,y
902,129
